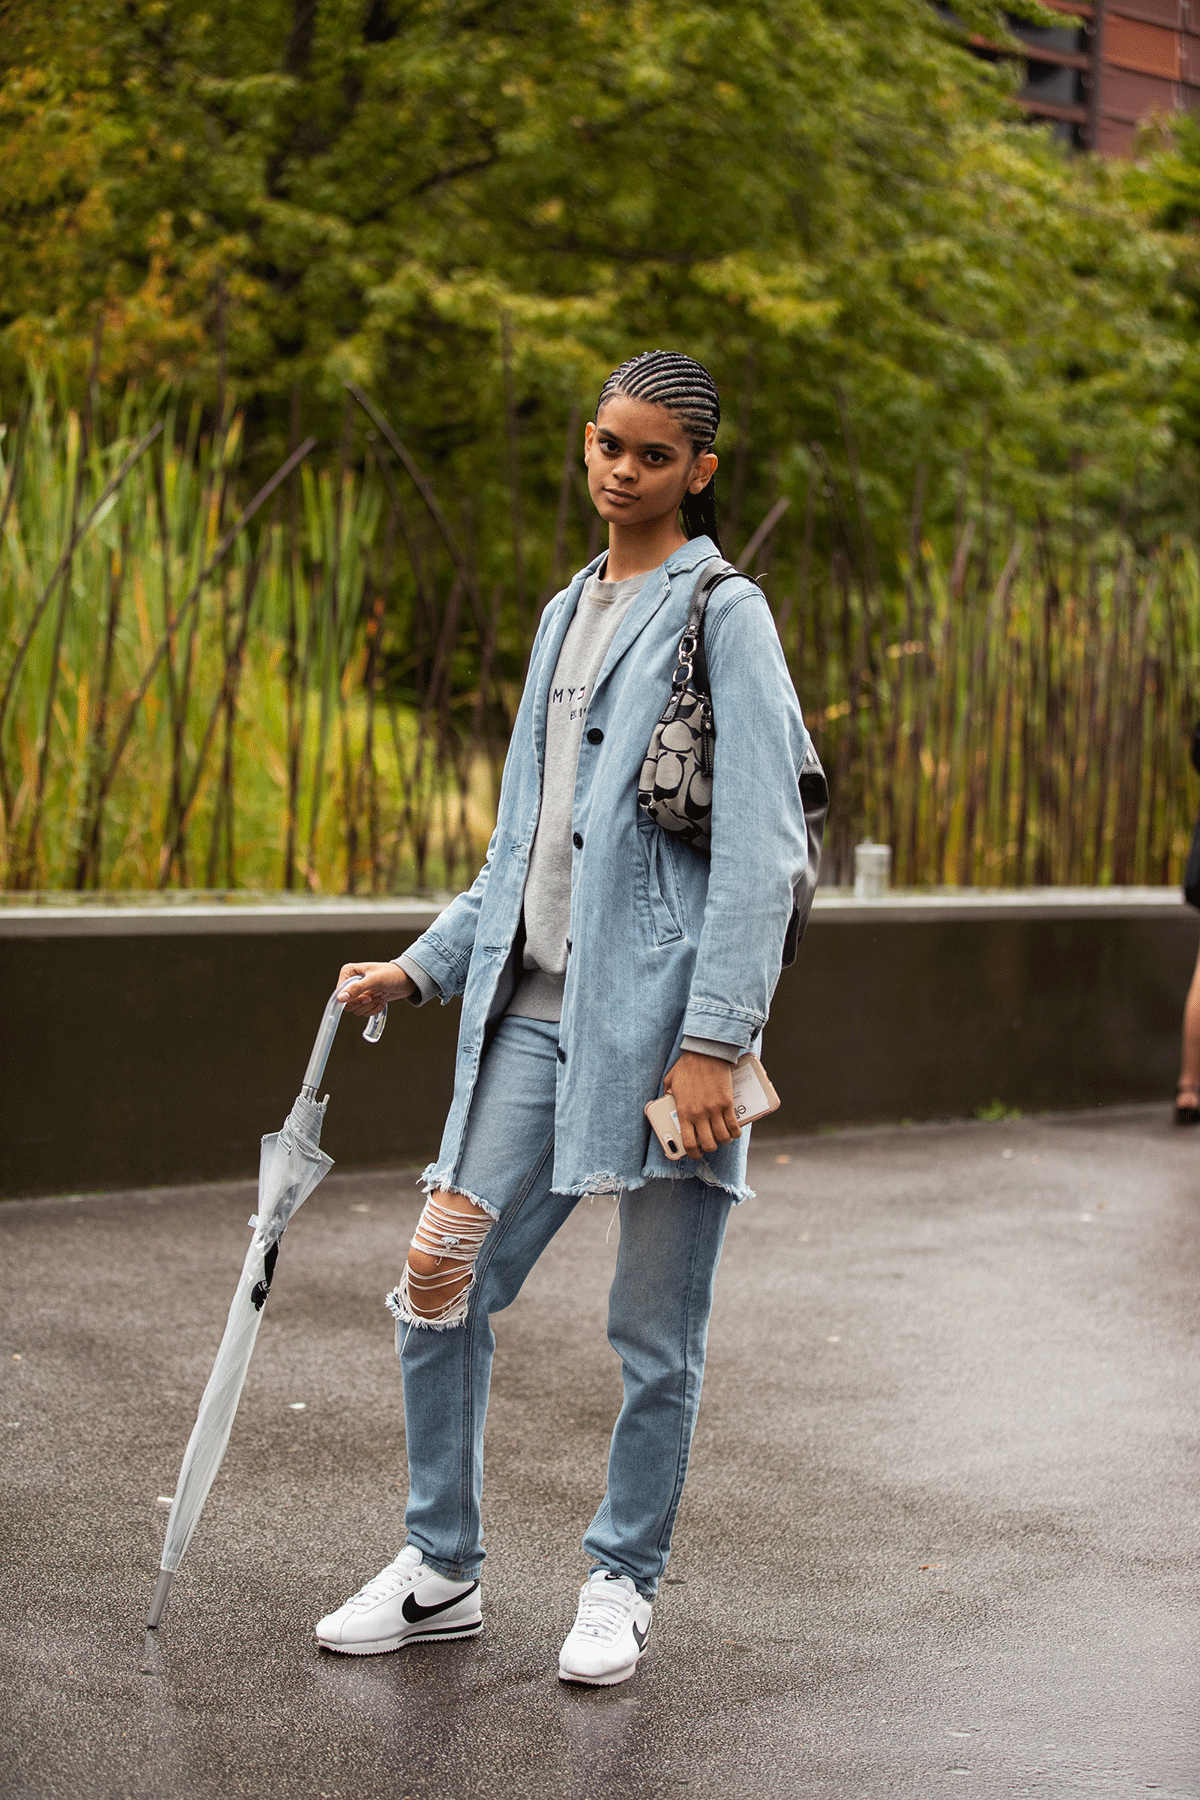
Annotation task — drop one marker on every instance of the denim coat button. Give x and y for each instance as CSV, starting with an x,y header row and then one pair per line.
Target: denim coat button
x,y
577,841
595,735
562,1055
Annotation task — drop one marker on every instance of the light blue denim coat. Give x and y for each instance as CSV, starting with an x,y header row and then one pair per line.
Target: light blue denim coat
x,y
663,942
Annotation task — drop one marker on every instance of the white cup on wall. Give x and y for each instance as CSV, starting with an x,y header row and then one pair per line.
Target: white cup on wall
x,y
872,870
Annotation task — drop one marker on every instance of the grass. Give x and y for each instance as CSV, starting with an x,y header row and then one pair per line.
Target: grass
x,y
997,1113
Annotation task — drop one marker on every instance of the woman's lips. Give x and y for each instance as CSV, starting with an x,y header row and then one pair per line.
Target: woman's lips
x,y
619,497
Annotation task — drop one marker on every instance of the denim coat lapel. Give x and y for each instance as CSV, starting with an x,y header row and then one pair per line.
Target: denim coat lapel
x,y
648,601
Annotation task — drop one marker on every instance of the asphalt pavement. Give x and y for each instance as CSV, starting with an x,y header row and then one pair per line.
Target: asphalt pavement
x,y
941,1534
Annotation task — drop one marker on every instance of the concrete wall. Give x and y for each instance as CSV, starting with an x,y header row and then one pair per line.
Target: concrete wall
x,y
155,1044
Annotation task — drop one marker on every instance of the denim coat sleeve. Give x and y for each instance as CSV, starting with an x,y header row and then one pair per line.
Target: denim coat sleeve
x,y
445,950
759,839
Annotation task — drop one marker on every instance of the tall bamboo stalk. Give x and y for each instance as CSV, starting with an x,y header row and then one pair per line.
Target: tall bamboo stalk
x,y
512,437
91,820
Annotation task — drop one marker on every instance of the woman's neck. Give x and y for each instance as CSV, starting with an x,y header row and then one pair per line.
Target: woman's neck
x,y
636,550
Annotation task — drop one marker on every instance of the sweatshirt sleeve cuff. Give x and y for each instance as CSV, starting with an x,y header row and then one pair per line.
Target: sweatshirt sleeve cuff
x,y
710,1047
427,988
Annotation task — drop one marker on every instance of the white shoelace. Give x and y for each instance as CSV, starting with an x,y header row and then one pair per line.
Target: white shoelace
x,y
604,1609
389,1581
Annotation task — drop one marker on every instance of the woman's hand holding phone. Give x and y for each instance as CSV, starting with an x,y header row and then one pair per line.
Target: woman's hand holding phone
x,y
369,986
701,1088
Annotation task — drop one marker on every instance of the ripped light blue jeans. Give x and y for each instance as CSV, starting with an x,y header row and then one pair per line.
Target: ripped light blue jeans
x,y
661,1295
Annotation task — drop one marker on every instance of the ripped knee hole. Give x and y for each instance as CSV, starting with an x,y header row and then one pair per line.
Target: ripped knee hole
x,y
441,1260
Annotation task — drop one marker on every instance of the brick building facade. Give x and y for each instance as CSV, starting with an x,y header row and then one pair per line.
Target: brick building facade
x,y
1109,65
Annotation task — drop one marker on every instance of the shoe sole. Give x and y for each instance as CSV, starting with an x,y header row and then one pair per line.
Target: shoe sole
x,y
609,1680
380,1647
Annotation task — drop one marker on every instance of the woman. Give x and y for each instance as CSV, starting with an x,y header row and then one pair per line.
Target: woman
x,y
600,962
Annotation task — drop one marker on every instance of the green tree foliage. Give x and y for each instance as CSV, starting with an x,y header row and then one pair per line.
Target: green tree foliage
x,y
817,197
1166,185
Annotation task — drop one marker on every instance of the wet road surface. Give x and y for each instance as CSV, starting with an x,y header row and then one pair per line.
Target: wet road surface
x,y
941,1533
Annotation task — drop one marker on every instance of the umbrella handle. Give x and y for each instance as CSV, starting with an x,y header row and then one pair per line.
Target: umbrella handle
x,y
325,1036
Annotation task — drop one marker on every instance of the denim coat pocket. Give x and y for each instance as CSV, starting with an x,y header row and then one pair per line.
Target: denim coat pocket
x,y
658,884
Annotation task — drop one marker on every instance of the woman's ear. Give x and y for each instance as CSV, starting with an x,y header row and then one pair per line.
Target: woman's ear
x,y
589,432
703,470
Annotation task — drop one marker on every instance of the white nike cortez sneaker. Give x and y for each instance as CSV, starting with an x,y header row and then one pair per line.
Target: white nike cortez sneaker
x,y
405,1604
609,1634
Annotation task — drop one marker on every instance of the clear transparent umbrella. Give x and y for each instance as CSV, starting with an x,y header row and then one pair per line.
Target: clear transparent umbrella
x,y
291,1165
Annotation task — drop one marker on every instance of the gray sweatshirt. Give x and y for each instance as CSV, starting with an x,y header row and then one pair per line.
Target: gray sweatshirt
x,y
602,606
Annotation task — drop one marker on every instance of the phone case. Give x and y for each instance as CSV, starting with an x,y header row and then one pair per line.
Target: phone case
x,y
753,1095
665,1125
753,1098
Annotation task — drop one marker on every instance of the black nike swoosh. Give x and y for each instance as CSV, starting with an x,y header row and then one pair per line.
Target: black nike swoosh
x,y
641,1637
414,1612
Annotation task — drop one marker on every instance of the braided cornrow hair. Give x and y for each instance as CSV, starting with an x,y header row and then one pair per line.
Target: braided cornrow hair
x,y
686,389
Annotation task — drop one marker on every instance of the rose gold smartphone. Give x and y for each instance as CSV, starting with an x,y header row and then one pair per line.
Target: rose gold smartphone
x,y
665,1125
753,1098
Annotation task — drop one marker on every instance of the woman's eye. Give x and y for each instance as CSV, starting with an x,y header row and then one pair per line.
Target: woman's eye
x,y
655,457
609,446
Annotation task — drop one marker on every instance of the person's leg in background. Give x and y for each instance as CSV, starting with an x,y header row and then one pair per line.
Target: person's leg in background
x,y
1187,1093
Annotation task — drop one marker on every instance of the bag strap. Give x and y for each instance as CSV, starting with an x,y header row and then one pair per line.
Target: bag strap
x,y
693,664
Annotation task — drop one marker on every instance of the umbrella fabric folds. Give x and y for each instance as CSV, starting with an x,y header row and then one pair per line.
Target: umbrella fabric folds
x,y
291,1165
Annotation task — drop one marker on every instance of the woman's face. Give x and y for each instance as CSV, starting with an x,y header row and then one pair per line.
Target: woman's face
x,y
640,463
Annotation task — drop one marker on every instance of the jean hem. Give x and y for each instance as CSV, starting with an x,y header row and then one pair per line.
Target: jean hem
x,y
450,1571
607,1564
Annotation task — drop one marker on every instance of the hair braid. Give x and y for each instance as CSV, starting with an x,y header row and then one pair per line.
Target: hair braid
x,y
685,389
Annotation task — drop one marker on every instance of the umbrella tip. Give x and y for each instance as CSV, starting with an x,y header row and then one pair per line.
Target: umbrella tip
x,y
158,1605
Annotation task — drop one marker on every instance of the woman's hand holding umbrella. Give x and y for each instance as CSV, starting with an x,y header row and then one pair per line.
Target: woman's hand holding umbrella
x,y
367,987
